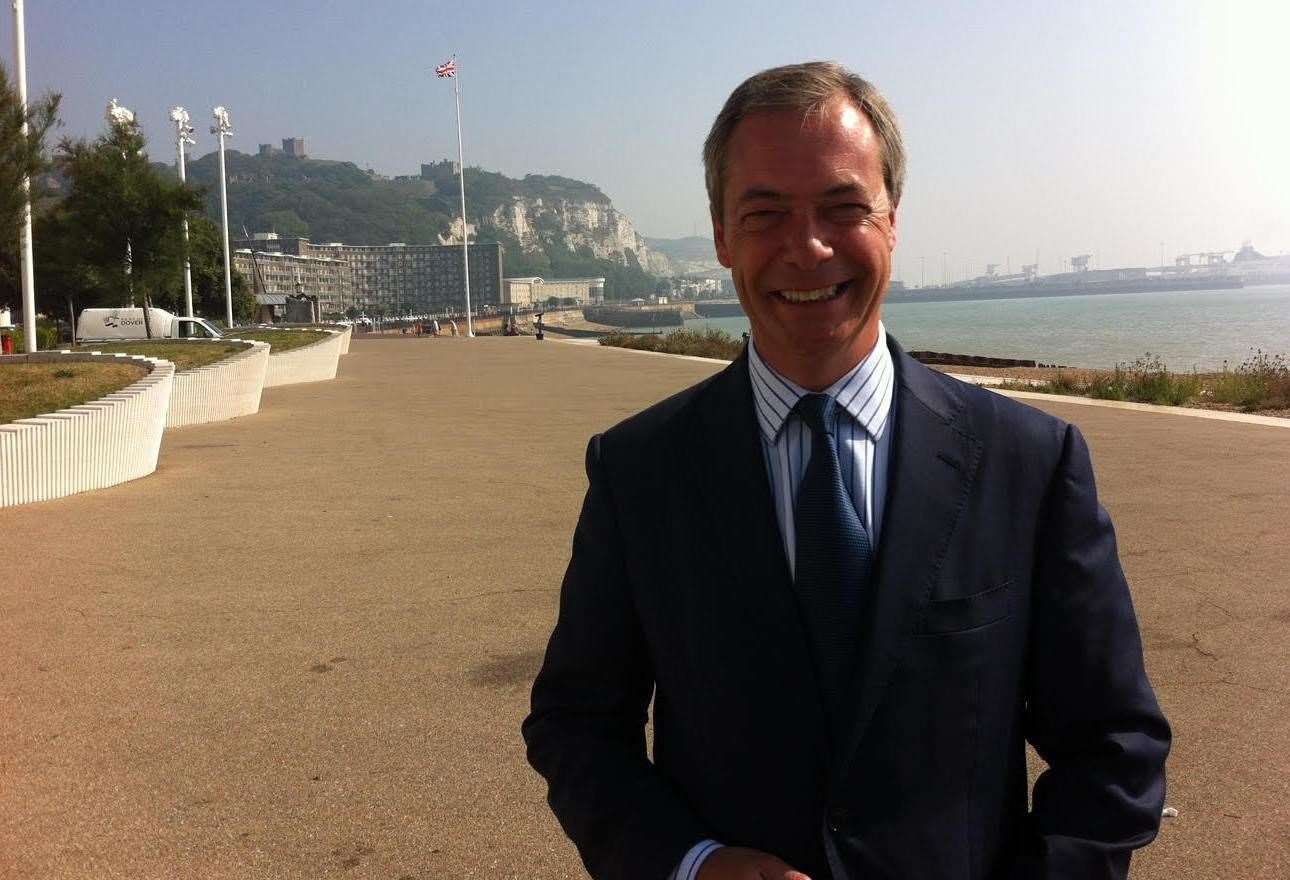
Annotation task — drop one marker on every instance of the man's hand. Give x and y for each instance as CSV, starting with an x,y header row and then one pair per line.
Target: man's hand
x,y
737,863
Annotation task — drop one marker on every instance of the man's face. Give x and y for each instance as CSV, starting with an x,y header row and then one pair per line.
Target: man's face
x,y
808,231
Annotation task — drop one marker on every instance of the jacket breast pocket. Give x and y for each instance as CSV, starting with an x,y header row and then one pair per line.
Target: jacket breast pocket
x,y
967,612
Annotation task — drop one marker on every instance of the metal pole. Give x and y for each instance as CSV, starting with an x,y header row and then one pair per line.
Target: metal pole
x,y
182,128
223,130
465,231
188,267
27,270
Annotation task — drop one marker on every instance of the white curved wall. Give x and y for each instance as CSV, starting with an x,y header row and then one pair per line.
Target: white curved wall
x,y
107,441
309,363
223,390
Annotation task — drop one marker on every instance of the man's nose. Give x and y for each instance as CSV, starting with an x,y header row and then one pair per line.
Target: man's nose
x,y
806,246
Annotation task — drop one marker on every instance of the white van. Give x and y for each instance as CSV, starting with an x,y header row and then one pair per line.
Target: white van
x,y
110,325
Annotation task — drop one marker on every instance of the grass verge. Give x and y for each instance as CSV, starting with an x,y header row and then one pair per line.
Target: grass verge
x,y
184,355
28,390
280,340
710,343
1261,382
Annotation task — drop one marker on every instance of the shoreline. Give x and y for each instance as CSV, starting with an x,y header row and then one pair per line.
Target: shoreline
x,y
1031,380
1140,385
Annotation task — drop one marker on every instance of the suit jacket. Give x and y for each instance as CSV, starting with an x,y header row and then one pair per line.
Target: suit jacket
x,y
997,613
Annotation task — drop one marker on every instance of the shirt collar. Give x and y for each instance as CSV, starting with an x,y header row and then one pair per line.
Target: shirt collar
x,y
864,393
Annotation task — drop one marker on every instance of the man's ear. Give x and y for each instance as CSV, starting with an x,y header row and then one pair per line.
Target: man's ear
x,y
719,239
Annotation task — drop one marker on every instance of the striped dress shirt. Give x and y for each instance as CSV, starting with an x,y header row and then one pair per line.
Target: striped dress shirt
x,y
865,399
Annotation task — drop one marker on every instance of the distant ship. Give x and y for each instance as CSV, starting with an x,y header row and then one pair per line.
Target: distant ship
x,y
1255,268
1066,285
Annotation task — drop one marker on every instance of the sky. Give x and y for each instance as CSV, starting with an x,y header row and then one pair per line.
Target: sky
x,y
1034,131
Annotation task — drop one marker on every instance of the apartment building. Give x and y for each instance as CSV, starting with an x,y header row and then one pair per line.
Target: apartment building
x,y
282,274
400,278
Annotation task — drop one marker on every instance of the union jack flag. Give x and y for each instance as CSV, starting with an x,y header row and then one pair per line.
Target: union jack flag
x,y
448,68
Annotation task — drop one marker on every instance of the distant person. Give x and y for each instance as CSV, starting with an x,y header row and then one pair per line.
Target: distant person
x,y
852,587
435,327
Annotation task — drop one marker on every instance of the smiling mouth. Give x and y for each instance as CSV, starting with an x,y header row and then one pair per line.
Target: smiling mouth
x,y
819,294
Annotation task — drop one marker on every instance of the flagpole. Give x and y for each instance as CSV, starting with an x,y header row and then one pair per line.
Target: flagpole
x,y
465,230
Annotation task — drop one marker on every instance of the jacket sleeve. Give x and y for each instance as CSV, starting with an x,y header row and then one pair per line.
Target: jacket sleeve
x,y
586,729
1091,713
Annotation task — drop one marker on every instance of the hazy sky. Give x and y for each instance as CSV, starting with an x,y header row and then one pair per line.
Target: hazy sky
x,y
1104,127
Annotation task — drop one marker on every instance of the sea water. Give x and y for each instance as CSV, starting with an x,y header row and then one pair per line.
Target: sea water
x,y
1197,329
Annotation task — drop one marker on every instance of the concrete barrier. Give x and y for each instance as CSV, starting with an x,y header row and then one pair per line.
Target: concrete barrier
x,y
97,444
346,330
223,390
309,363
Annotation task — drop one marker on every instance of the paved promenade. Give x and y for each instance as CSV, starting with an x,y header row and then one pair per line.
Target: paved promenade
x,y
302,648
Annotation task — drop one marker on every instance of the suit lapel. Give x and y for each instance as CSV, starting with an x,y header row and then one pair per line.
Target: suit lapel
x,y
932,466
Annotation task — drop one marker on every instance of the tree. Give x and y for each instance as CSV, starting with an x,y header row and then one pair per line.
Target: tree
x,y
19,157
64,284
206,254
117,231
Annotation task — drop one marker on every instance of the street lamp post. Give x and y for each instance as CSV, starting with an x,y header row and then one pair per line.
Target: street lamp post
x,y
222,129
184,135
26,260
119,119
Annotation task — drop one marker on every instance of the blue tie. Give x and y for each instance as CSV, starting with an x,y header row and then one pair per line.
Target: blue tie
x,y
833,557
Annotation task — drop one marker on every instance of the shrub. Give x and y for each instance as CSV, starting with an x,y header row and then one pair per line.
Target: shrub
x,y
1110,387
1146,380
1063,384
710,343
47,336
1262,381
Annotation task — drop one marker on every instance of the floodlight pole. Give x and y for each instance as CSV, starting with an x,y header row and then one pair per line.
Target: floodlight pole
x,y
184,135
26,260
223,128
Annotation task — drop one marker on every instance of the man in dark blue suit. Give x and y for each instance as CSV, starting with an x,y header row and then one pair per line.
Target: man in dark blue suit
x,y
853,587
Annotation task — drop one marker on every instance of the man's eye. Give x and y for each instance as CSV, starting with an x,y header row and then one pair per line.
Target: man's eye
x,y
758,220
850,211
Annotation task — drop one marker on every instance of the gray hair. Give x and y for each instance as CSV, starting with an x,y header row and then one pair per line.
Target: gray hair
x,y
808,88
